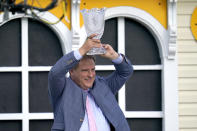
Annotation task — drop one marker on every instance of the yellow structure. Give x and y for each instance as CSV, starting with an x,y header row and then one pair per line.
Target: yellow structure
x,y
58,11
157,8
194,23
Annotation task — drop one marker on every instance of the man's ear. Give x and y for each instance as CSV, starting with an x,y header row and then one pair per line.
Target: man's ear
x,y
71,72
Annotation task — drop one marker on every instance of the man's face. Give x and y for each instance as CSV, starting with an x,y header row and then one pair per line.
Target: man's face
x,y
84,74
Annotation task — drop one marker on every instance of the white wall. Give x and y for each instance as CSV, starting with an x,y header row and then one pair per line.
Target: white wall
x,y
187,60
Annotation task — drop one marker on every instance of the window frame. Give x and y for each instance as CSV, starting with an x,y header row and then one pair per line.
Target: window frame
x,y
168,67
63,34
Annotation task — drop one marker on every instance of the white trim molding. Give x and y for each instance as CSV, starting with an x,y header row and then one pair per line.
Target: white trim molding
x,y
172,29
61,30
75,23
157,30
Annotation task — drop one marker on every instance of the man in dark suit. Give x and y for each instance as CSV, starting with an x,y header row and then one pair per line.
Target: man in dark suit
x,y
84,101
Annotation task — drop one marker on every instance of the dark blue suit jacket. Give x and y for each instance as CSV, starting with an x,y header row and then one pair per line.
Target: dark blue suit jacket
x,y
68,99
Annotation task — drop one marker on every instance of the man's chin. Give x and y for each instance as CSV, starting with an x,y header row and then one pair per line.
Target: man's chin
x,y
86,86
89,86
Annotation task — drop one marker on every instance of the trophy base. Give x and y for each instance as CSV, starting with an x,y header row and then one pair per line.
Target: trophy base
x,y
96,51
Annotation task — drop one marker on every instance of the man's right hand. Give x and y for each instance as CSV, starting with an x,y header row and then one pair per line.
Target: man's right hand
x,y
89,44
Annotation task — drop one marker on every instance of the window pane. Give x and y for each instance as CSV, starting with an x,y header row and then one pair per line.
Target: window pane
x,y
141,47
10,92
10,125
143,91
38,92
109,37
44,45
10,47
40,125
145,124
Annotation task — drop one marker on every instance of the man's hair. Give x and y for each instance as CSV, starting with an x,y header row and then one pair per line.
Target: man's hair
x,y
86,57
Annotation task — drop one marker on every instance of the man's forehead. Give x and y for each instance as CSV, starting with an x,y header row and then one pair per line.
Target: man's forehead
x,y
86,63
83,61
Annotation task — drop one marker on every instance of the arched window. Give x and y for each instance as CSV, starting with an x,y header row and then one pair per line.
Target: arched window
x,y
143,89
28,49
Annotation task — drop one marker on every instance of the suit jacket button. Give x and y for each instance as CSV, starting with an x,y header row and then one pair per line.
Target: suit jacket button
x,y
81,120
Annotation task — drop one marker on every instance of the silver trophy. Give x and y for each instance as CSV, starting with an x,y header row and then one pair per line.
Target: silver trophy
x,y
94,24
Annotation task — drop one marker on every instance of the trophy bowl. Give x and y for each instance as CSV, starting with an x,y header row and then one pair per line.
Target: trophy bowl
x,y
94,24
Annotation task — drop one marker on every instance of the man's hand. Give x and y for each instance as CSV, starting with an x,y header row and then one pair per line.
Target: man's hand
x,y
110,52
89,44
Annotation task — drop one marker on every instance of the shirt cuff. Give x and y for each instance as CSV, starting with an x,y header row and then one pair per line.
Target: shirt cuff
x,y
118,60
77,55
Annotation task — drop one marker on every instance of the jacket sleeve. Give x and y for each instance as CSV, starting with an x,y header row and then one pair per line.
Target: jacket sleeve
x,y
118,78
57,76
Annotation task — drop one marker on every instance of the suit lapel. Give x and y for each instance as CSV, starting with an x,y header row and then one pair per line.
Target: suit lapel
x,y
106,101
73,106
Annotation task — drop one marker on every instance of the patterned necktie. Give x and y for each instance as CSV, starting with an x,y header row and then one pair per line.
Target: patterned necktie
x,y
91,120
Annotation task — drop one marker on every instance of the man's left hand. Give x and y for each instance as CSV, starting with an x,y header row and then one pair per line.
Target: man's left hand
x,y
110,52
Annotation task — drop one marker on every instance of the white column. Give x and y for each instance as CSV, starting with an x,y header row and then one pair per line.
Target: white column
x,y
170,95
